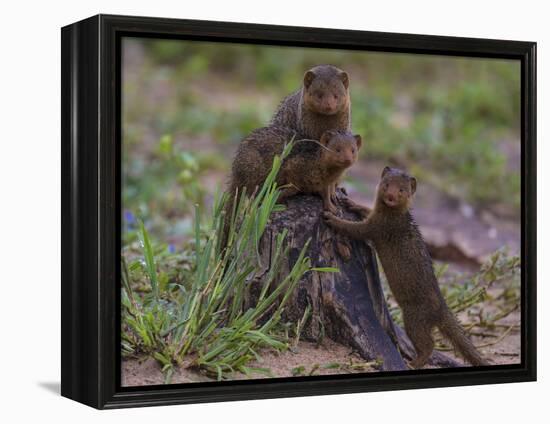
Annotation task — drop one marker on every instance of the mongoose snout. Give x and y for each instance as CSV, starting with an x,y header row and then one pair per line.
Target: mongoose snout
x,y
347,162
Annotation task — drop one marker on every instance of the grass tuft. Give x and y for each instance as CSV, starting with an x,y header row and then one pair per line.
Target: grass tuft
x,y
202,322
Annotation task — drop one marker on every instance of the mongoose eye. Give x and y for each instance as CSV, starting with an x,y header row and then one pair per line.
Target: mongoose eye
x,y
401,190
338,150
336,96
352,150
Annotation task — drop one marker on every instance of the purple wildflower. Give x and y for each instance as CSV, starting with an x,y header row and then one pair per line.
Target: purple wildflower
x,y
129,217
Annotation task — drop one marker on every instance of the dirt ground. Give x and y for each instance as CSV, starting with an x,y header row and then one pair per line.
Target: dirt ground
x,y
500,351
306,359
310,359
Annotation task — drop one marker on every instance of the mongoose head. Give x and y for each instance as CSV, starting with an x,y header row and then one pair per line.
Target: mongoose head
x,y
396,189
341,148
326,90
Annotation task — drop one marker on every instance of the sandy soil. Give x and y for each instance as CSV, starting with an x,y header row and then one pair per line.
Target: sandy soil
x,y
500,351
306,359
312,360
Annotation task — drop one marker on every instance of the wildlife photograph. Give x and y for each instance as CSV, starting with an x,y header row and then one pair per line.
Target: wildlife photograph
x,y
292,212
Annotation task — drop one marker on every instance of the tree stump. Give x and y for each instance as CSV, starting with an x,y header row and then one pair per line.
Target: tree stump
x,y
349,306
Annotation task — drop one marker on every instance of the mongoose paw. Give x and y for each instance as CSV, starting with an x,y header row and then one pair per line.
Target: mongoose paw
x,y
331,208
348,203
328,217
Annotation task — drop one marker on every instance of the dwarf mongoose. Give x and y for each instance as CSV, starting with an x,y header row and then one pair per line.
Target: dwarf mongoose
x,y
321,104
407,265
311,167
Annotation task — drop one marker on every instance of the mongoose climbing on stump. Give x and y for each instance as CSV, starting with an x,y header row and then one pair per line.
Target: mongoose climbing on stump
x,y
407,265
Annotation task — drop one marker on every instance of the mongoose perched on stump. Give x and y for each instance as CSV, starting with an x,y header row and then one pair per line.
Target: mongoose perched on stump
x,y
407,265
322,103
311,167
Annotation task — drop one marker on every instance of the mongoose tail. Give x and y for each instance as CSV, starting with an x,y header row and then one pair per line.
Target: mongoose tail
x,y
453,331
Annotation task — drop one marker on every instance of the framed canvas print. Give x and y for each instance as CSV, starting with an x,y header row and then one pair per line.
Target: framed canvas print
x,y
254,211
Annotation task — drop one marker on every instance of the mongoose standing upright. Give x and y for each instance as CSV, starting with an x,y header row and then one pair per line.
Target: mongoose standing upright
x,y
321,104
407,265
311,166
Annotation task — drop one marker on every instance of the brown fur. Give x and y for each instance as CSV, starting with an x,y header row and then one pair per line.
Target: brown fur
x,y
323,103
407,265
311,167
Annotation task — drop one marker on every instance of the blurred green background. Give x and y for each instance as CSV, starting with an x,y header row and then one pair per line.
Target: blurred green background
x,y
453,122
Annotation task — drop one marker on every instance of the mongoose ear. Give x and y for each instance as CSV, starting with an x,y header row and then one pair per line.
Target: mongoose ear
x,y
413,185
326,137
309,76
385,171
345,79
358,140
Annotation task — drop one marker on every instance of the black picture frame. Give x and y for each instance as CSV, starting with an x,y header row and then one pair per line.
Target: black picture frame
x,y
91,184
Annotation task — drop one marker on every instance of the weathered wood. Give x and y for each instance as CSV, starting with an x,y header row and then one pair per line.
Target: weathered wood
x,y
348,306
